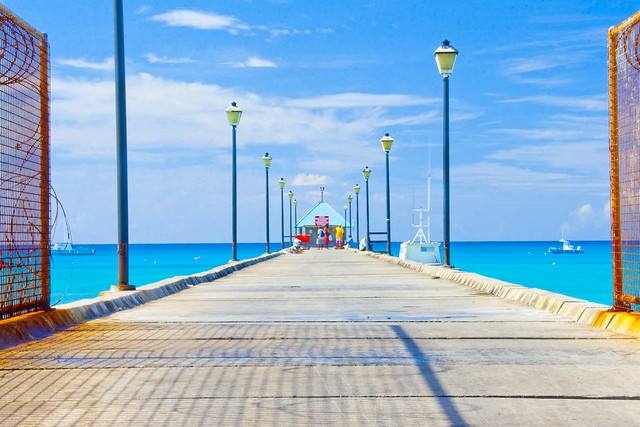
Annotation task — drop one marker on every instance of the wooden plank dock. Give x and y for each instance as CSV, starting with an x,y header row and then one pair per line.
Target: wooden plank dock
x,y
325,338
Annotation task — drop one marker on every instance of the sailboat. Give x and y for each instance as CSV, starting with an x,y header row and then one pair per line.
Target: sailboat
x,y
421,248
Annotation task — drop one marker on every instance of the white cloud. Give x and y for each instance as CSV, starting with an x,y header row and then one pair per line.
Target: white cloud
x,y
166,115
107,64
254,62
153,59
287,32
582,157
527,65
201,20
496,175
606,210
354,100
310,179
584,103
583,220
534,69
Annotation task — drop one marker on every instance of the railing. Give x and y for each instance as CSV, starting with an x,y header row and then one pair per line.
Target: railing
x,y
24,167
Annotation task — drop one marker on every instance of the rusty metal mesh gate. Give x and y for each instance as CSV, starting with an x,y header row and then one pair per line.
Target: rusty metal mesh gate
x,y
24,167
624,126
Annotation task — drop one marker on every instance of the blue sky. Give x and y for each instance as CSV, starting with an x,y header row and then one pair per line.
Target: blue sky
x,y
320,83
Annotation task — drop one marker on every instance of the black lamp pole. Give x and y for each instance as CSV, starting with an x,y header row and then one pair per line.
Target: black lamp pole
x,y
121,147
366,173
281,182
445,59
267,161
234,207
233,114
387,141
445,170
295,215
290,194
357,190
350,224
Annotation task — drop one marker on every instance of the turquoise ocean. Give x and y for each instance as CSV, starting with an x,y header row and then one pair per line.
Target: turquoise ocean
x,y
587,276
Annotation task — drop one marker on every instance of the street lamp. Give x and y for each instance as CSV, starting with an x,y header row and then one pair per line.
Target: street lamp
x,y
281,182
344,230
366,173
386,146
295,214
290,194
357,190
349,199
233,114
445,58
266,159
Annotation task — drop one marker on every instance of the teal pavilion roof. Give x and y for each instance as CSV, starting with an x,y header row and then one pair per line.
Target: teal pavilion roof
x,y
321,209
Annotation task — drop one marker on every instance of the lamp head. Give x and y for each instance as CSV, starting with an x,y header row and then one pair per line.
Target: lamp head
x,y
345,208
295,202
349,199
290,194
445,58
266,159
281,182
233,114
386,142
366,173
357,188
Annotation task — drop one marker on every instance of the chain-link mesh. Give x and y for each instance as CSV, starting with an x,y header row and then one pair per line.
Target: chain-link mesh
x,y
24,167
624,126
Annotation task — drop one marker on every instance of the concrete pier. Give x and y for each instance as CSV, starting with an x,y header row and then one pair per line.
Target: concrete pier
x,y
325,338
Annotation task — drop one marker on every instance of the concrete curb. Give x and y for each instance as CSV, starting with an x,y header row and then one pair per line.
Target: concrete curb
x,y
36,325
574,309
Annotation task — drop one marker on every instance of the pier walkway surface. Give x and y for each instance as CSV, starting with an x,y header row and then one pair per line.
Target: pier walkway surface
x,y
324,338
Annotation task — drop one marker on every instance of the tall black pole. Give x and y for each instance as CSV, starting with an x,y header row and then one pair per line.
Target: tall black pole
x,y
388,209
282,213
350,226
234,229
344,230
445,170
295,216
368,240
266,169
121,145
358,217
290,225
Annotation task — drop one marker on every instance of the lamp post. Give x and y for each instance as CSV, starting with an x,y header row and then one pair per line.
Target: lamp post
x,y
281,182
266,159
344,230
445,58
121,148
386,146
290,194
295,214
366,173
357,190
233,114
349,199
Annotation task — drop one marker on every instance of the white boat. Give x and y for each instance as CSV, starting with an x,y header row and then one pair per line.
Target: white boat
x,y
567,248
421,250
67,248
424,250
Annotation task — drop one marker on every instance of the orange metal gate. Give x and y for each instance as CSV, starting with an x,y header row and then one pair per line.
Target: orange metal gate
x,y
24,167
